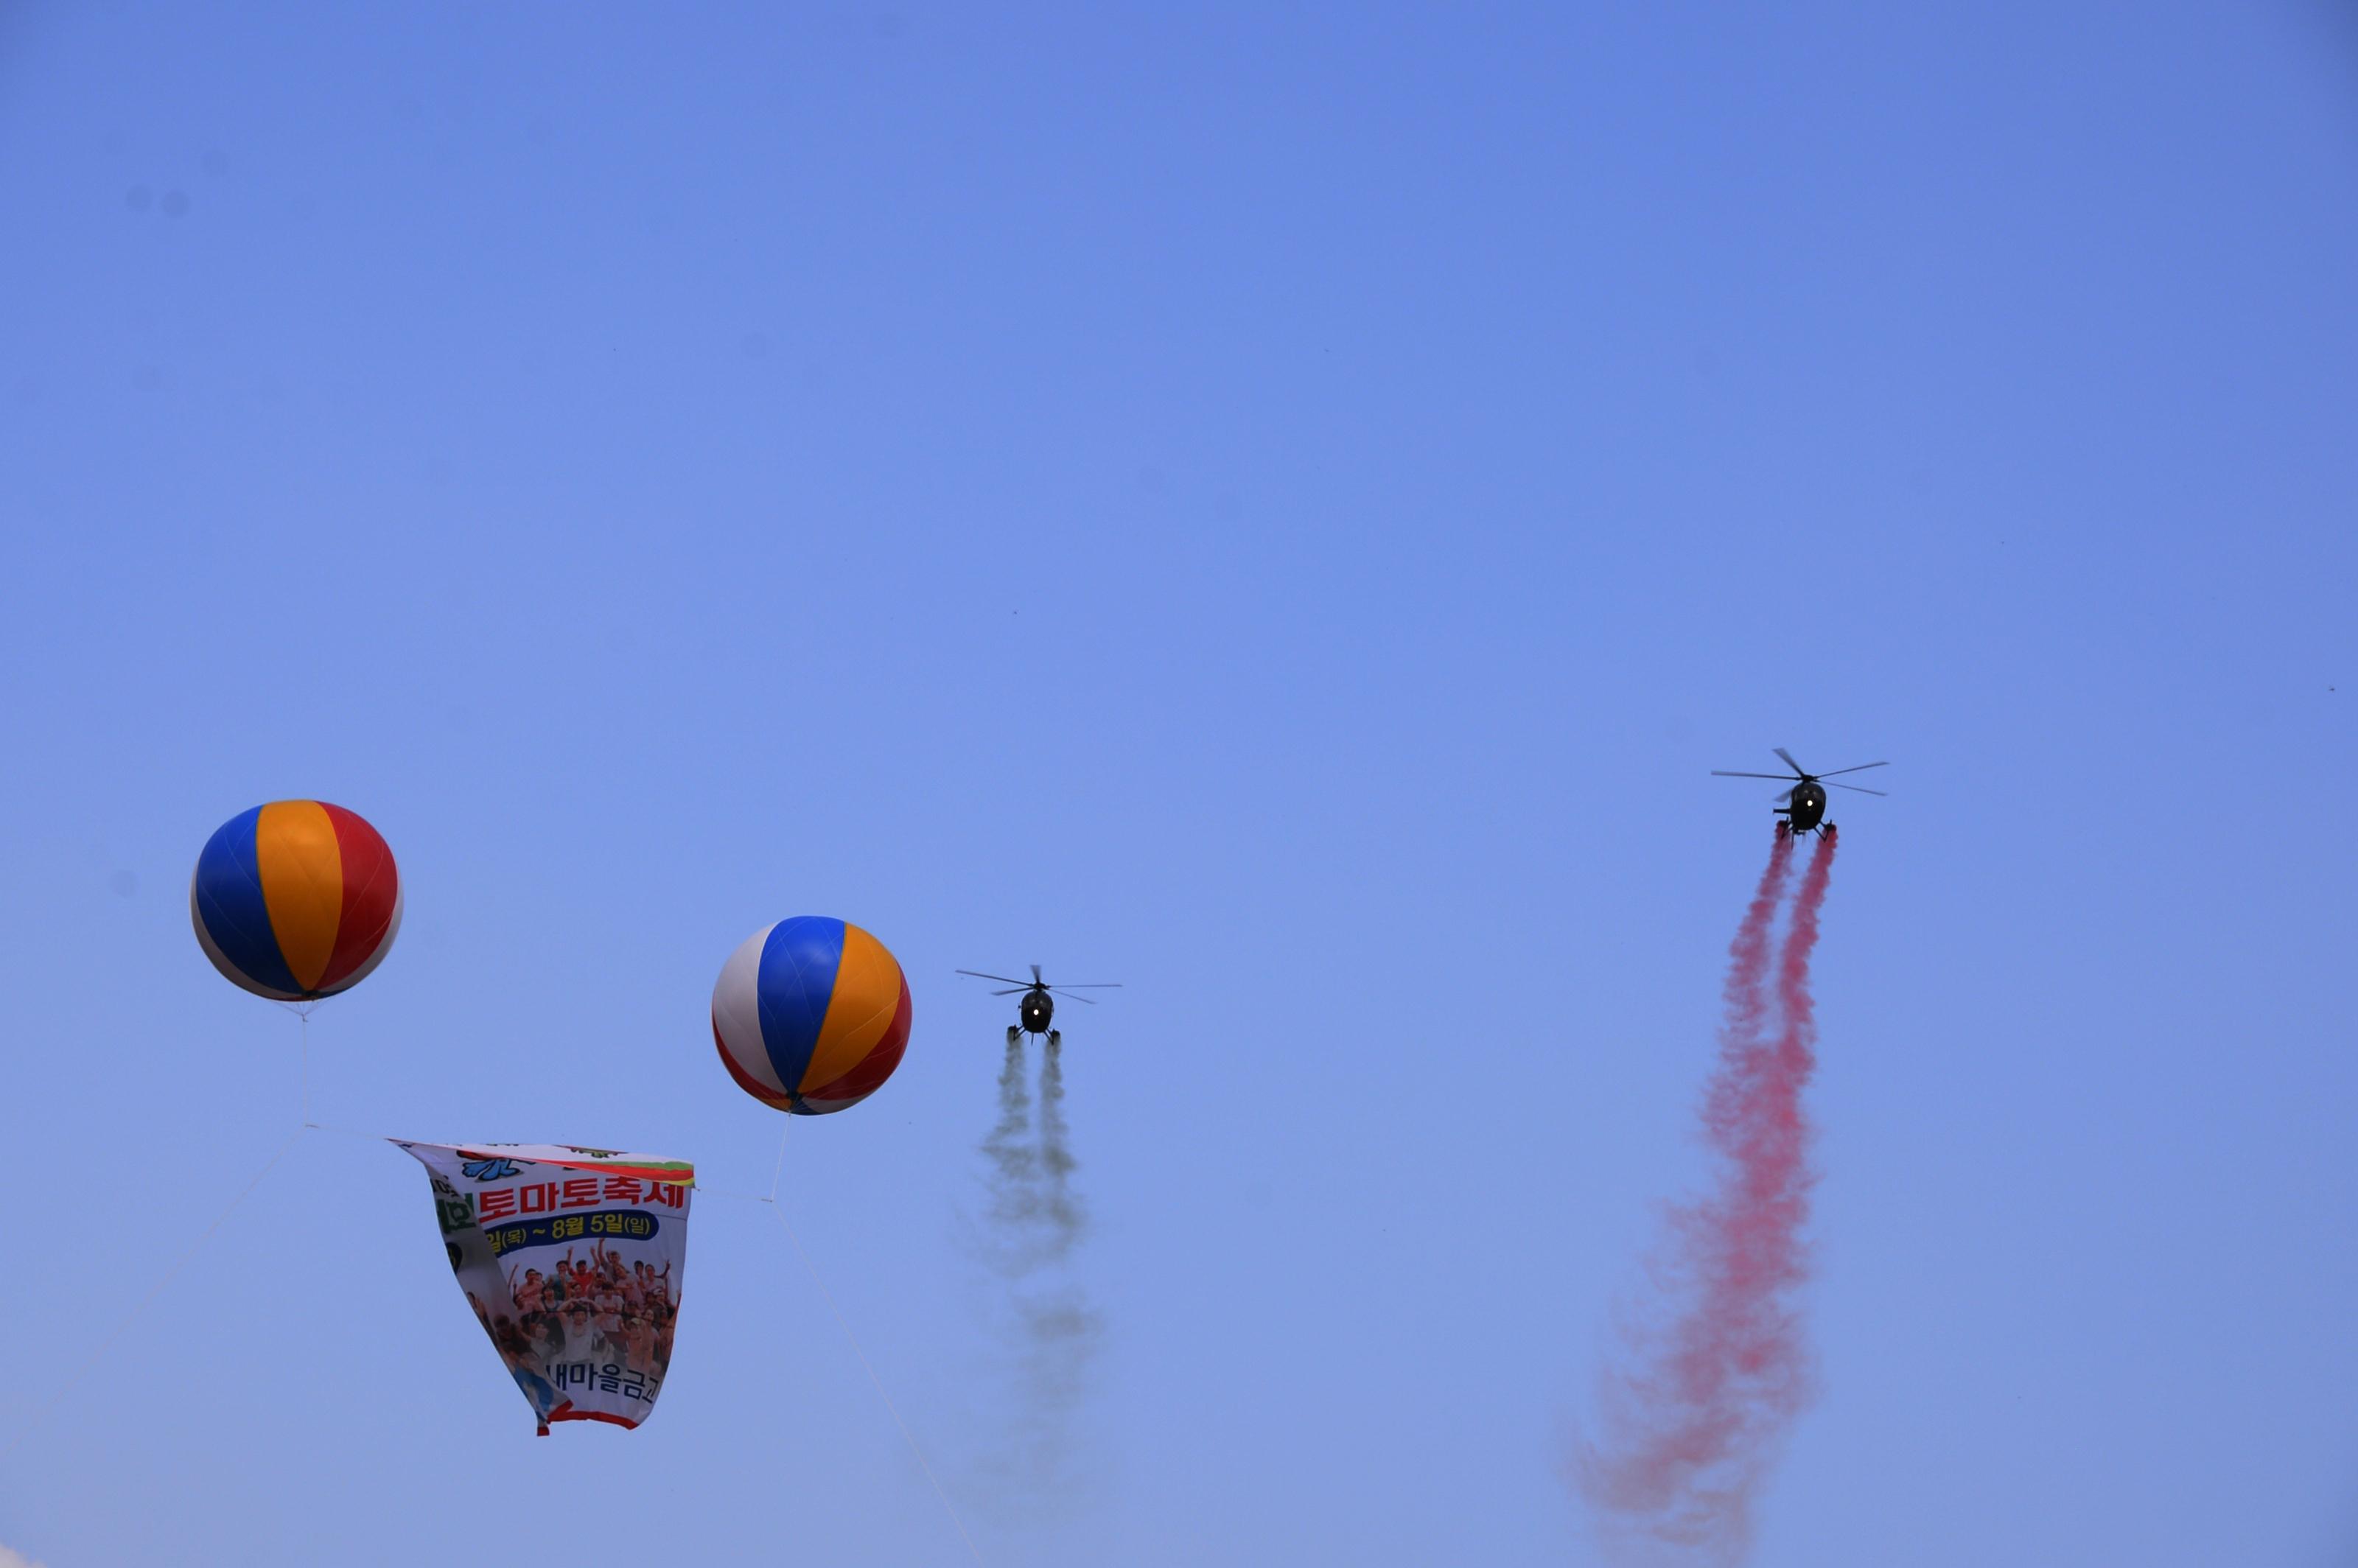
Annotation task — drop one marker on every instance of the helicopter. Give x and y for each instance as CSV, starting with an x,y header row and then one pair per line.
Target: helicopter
x,y
1805,803
1038,1007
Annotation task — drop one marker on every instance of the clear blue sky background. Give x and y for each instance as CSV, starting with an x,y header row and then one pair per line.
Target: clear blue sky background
x,y
1280,506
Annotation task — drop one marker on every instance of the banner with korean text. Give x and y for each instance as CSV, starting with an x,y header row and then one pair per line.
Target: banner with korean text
x,y
572,1259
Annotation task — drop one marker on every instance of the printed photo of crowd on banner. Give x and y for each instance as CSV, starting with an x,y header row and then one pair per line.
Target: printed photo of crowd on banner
x,y
594,1310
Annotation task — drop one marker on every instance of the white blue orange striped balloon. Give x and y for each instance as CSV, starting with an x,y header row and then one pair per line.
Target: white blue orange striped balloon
x,y
811,1016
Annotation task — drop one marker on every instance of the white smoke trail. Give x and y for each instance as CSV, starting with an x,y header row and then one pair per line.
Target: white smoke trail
x,y
1035,1220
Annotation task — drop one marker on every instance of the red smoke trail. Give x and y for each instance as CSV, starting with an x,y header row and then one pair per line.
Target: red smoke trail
x,y
1723,1368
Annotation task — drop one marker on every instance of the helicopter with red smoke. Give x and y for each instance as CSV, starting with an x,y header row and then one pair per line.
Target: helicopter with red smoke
x,y
1805,801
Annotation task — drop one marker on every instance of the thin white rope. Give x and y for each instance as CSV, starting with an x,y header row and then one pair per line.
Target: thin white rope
x,y
776,1174
99,1353
878,1383
356,1132
703,1191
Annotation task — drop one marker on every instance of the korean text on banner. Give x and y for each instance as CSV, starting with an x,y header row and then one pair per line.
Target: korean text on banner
x,y
572,1259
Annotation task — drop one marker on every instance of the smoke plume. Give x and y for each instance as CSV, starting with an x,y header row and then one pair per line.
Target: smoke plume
x,y
1718,1365
1036,1219
1015,1170
1062,1209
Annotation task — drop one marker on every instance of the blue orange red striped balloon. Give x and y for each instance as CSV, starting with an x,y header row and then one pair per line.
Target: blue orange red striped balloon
x,y
295,900
811,1016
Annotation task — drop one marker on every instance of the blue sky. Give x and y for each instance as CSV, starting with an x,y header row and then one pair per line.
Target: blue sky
x,y
1280,507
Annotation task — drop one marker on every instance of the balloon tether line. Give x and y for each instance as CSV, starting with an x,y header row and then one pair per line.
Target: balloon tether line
x,y
850,1338
878,1383
98,1353
302,1011
306,1125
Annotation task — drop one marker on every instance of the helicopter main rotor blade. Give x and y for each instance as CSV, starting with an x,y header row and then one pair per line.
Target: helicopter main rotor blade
x,y
1716,772
1787,794
1860,769
1092,985
1002,980
1790,763
1061,991
1012,990
1035,975
1861,789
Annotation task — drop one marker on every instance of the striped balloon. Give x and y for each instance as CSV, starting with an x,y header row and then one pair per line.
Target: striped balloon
x,y
295,900
811,1016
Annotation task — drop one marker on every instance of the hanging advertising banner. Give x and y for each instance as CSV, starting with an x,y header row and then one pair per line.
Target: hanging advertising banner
x,y
572,1259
